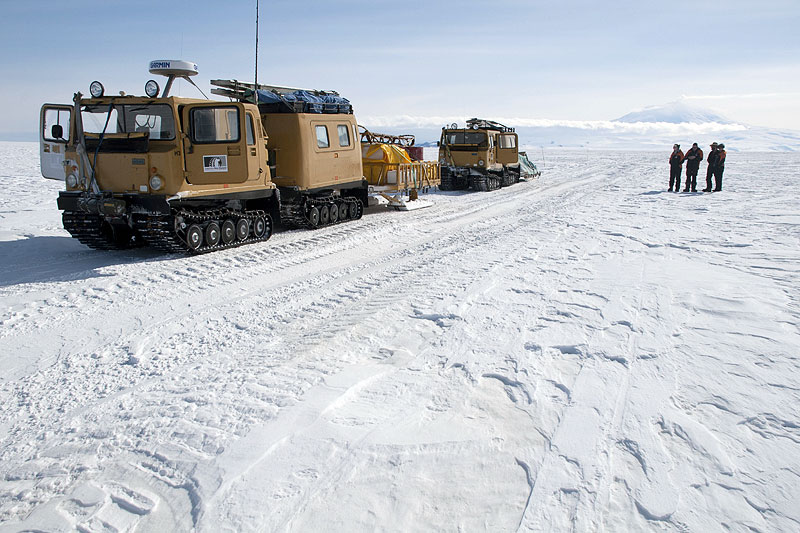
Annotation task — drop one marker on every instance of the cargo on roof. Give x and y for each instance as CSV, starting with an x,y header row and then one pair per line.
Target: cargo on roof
x,y
277,99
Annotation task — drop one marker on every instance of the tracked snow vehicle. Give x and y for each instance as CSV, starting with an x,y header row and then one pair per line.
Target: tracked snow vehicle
x,y
482,157
196,175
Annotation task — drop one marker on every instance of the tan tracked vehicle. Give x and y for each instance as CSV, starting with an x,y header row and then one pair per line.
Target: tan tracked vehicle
x,y
183,174
482,157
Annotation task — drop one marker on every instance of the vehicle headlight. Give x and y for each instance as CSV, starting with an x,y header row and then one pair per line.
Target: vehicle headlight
x,y
96,89
72,181
156,182
151,88
480,162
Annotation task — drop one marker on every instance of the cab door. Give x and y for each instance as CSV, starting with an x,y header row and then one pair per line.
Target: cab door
x,y
507,150
257,168
55,129
215,151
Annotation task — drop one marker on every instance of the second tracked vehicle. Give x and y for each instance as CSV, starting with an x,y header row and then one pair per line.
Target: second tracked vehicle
x,y
482,157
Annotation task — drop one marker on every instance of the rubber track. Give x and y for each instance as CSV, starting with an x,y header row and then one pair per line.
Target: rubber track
x,y
486,182
159,231
446,183
293,215
87,228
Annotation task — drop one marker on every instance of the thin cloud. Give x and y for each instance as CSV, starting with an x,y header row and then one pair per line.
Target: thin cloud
x,y
610,126
740,96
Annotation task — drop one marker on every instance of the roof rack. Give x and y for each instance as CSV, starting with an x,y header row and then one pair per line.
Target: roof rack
x,y
371,137
480,123
278,99
244,89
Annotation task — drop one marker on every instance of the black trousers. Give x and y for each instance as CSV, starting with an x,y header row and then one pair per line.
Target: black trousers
x,y
691,177
675,176
709,175
718,178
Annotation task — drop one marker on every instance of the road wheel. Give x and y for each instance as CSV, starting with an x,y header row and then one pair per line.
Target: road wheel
x,y
213,234
262,227
313,217
228,231
194,237
242,229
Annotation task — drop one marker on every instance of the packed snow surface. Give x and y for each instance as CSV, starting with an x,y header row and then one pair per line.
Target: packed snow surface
x,y
584,351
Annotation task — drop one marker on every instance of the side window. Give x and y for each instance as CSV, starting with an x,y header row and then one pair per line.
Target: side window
x,y
508,141
344,135
251,140
56,125
215,124
322,137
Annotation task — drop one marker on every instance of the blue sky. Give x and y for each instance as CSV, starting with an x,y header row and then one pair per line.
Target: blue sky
x,y
568,60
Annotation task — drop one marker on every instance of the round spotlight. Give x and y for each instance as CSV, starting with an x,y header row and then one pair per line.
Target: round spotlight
x,y
72,181
151,88
156,182
96,89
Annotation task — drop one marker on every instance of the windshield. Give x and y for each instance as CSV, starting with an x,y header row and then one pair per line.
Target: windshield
x,y
464,137
155,119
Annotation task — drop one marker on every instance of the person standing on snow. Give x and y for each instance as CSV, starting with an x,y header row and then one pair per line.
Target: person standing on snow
x,y
693,158
719,167
675,167
712,159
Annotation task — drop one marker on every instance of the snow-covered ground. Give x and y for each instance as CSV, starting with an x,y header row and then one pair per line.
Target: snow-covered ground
x,y
581,352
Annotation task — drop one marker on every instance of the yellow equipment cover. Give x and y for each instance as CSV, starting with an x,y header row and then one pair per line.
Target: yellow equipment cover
x,y
388,167
386,153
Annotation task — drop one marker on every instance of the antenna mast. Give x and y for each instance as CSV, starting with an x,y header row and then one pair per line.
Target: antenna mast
x,y
255,92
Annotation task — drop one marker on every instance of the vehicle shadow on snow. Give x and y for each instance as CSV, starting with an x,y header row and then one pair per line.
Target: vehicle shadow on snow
x,y
41,259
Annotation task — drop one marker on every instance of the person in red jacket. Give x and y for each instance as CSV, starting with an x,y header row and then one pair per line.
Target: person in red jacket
x,y
719,167
675,167
693,158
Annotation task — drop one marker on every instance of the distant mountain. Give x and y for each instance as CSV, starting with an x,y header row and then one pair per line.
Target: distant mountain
x,y
676,112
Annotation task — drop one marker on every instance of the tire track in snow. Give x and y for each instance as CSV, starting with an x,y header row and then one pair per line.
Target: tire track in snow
x,y
123,374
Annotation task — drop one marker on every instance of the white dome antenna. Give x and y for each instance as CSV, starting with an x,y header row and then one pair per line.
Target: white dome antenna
x,y
173,68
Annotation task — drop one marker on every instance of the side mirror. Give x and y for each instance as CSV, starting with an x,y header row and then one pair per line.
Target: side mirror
x,y
57,132
438,143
